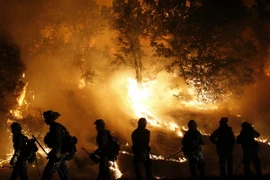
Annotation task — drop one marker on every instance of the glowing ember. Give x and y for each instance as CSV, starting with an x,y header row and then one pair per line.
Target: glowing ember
x,y
114,167
159,157
6,161
184,128
180,133
16,113
262,140
179,160
22,96
81,83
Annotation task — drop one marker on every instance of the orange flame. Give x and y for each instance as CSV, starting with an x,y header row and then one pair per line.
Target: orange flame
x,y
139,97
116,171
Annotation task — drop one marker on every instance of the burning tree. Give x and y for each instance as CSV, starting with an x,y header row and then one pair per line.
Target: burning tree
x,y
11,72
68,30
202,39
128,20
258,29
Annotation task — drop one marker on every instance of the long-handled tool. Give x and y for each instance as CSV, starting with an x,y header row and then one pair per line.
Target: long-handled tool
x,y
92,156
39,144
86,150
238,166
173,155
57,166
38,169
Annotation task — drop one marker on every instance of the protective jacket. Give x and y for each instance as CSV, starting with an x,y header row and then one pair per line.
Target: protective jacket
x,y
140,139
246,139
192,141
54,140
223,138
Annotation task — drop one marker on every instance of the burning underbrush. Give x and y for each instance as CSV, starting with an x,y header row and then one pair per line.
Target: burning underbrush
x,y
166,110
163,146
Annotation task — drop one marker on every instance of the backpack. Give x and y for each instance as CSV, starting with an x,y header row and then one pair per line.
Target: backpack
x,y
69,144
113,148
30,149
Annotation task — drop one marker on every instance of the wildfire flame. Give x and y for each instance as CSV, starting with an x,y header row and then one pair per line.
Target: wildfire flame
x,y
114,168
22,96
139,97
159,157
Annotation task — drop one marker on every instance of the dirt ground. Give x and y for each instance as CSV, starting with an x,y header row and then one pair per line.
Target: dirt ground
x,y
82,168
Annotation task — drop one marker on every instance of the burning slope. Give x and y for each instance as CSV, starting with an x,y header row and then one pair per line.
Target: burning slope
x,y
142,101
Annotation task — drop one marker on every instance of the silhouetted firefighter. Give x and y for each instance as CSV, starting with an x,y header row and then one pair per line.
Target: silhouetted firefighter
x,y
250,148
141,149
102,140
54,139
18,161
224,139
192,142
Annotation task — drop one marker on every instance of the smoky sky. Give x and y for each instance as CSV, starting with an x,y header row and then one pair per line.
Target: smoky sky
x,y
54,83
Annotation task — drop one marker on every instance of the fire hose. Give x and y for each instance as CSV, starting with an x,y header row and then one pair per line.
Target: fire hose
x,y
61,160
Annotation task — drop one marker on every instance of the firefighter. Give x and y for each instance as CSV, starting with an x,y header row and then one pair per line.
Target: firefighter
x,y
102,140
18,161
54,140
192,142
250,148
224,139
141,149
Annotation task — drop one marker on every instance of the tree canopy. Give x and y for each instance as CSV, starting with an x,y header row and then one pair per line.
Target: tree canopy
x,y
129,22
204,39
68,30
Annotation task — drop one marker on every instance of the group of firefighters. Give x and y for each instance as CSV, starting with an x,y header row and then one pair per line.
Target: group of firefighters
x,y
223,137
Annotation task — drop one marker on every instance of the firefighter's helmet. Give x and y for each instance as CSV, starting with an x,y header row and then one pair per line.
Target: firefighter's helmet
x,y
99,122
224,120
51,115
